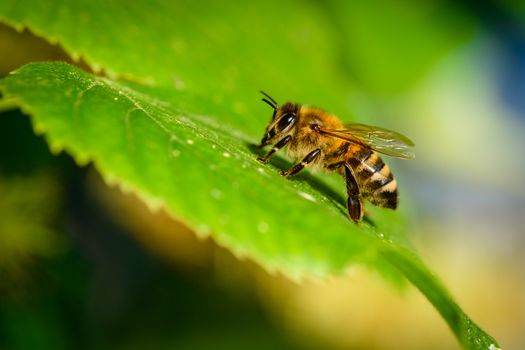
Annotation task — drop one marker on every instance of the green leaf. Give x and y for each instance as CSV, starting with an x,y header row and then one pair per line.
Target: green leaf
x,y
203,54
201,171
180,135
205,174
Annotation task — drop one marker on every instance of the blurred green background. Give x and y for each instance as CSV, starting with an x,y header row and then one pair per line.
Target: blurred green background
x,y
84,266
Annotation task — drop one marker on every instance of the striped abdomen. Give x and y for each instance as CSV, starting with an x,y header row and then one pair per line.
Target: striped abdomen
x,y
376,182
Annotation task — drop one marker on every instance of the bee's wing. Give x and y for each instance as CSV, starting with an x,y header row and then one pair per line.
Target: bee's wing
x,y
379,139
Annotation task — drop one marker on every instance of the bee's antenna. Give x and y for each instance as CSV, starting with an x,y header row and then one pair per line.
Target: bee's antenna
x,y
269,97
271,104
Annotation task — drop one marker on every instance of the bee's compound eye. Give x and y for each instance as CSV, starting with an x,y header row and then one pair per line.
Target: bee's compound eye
x,y
285,121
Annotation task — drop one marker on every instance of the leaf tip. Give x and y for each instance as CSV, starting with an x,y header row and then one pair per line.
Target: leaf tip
x,y
155,205
82,159
39,127
202,231
55,146
75,56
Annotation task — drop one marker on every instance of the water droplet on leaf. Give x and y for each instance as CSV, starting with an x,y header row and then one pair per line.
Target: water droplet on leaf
x,y
263,227
216,193
307,196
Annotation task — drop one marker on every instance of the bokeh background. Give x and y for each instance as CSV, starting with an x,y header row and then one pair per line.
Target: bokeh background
x,y
85,266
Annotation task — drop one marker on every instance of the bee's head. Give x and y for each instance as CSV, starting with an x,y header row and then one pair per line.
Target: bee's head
x,y
283,119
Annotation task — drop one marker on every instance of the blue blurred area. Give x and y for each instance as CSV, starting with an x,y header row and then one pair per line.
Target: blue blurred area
x,y
506,26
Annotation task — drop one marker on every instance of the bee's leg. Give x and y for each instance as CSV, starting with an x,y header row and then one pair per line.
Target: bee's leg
x,y
310,157
335,166
355,205
274,149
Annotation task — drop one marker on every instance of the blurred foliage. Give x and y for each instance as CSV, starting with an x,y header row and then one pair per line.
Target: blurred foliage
x,y
29,205
32,153
205,61
106,293
387,51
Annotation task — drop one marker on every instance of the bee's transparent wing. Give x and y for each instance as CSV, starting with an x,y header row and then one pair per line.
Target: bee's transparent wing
x,y
379,139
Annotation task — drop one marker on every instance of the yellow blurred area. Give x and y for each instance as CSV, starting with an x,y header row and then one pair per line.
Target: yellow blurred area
x,y
19,47
155,230
360,310
28,48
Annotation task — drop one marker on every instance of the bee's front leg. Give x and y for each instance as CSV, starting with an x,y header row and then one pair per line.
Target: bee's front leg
x,y
274,149
310,157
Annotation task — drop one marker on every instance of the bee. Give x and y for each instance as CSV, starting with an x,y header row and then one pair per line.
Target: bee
x,y
320,140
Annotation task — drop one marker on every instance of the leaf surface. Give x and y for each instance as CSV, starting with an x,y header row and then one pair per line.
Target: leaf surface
x,y
175,117
206,174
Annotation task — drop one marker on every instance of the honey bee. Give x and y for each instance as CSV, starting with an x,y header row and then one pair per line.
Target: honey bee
x,y
321,140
